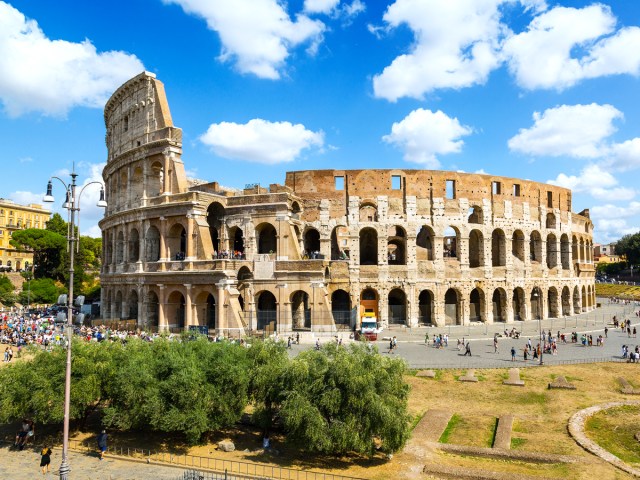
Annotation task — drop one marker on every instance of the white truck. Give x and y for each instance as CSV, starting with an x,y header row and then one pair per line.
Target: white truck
x,y
369,329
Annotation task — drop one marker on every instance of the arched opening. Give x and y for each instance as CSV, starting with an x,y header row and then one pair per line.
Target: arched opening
x,y
368,213
425,307
551,220
476,249
175,311
451,308
120,248
576,301
300,310
155,180
424,244
498,248
574,250
535,247
552,251
475,215
476,305
134,245
585,304
123,190
536,303
244,274
566,302
565,252
339,244
295,208
450,243
397,307
267,242
237,242
517,245
581,250
341,308
205,304
177,242
369,303
368,246
499,301
118,305
312,243
266,311
518,304
553,307
136,187
133,305
152,245
397,246
152,309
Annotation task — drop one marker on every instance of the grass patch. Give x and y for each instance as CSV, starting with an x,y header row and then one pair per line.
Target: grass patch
x,y
472,431
517,443
614,430
531,398
455,420
415,420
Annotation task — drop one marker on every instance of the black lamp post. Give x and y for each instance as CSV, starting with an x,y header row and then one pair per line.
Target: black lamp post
x,y
536,297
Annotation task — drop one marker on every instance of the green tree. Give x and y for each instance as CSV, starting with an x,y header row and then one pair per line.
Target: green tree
x,y
47,247
629,246
57,225
7,295
41,290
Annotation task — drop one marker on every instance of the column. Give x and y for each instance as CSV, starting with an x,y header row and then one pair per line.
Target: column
x,y
141,312
189,252
221,320
162,320
188,313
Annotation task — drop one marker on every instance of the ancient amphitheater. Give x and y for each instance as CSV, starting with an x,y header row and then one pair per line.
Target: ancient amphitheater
x,y
411,246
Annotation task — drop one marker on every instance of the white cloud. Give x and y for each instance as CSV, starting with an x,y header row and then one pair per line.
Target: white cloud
x,y
320,6
52,76
424,134
613,222
574,130
597,182
456,45
261,141
25,198
624,156
610,211
256,34
544,56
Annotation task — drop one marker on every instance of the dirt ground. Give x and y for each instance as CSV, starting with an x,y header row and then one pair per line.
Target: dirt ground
x,y
540,425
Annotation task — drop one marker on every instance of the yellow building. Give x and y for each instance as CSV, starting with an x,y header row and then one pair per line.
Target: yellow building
x,y
18,217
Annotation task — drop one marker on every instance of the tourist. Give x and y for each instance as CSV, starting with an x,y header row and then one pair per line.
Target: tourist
x,y
468,349
513,354
102,443
45,459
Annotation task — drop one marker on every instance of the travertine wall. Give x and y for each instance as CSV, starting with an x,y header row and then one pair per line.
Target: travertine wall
x,y
421,246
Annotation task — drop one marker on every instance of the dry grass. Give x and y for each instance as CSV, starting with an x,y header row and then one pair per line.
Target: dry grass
x,y
615,430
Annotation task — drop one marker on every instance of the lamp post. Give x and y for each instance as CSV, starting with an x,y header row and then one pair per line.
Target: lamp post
x,y
536,297
72,204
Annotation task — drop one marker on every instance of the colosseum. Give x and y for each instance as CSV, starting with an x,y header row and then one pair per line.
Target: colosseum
x,y
413,247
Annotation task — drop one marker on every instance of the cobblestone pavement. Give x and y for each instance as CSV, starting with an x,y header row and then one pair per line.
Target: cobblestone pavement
x,y
25,465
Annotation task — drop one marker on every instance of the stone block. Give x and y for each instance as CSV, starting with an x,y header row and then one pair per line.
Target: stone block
x,y
470,376
426,373
561,382
226,446
627,388
503,432
514,378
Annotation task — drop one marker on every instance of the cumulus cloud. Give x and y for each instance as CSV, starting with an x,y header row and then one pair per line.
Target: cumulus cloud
x,y
261,141
52,76
613,222
256,34
595,181
624,156
544,56
320,6
574,130
424,134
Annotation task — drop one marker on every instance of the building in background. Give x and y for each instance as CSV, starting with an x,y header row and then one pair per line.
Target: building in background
x,y
18,217
606,253
328,247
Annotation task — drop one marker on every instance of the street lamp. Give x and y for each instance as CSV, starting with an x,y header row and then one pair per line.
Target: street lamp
x,y
72,204
536,297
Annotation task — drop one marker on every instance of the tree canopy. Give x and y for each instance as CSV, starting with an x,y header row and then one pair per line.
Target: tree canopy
x,y
629,246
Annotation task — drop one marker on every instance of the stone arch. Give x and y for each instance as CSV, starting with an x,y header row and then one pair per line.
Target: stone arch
x,y
565,252
476,305
518,304
295,208
517,245
133,305
137,186
300,310
118,305
585,304
551,221
451,243
396,246
244,274
339,243
535,247
215,220
155,179
499,302
266,308
536,303
206,310
134,245
237,239
120,248
177,242
476,249
341,307
475,215
425,243
553,304
152,309
566,301
576,300
124,188
498,248
552,251
574,250
368,212
581,250
152,245
452,307
368,246
426,305
267,238
369,301
175,310
397,304
312,242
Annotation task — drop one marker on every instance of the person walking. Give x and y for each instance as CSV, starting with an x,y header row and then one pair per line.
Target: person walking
x,y
606,331
102,443
45,460
495,343
513,354
467,350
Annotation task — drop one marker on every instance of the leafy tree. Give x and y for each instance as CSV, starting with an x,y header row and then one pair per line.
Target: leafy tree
x,y
629,246
57,225
41,290
7,295
47,247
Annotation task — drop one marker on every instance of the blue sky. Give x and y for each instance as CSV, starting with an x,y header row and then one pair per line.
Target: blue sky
x,y
540,90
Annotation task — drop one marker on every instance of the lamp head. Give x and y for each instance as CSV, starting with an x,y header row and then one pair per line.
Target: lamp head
x,y
102,202
67,201
48,198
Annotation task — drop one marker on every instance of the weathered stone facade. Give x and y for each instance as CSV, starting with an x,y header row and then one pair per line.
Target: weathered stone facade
x,y
416,246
